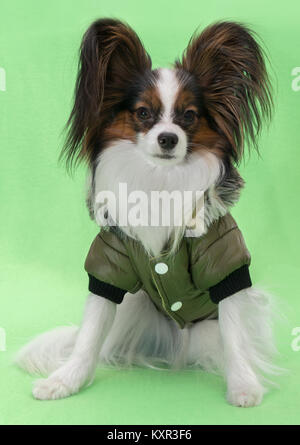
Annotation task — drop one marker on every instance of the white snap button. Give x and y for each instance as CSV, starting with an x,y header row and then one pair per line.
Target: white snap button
x,y
176,306
161,268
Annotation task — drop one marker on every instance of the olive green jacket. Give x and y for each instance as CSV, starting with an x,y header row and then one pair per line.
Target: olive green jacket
x,y
188,285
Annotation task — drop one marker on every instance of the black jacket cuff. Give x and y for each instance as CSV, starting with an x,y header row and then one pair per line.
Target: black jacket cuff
x,y
106,290
236,281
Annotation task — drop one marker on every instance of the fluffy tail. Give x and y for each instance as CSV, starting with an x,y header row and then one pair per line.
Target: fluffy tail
x,y
48,351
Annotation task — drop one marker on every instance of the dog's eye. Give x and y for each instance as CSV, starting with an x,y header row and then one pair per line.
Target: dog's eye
x,y
143,113
189,116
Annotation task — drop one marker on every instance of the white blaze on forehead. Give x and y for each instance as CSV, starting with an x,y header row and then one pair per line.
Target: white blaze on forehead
x,y
167,86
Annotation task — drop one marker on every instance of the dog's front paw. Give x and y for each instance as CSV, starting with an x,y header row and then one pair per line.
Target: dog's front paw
x,y
245,397
51,388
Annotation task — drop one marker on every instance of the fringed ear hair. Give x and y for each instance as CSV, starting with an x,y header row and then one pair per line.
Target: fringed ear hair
x,y
111,55
229,66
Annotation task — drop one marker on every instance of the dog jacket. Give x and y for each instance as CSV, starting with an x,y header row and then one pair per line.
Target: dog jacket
x,y
188,285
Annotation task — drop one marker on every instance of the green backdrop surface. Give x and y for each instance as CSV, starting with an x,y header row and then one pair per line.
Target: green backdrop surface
x,y
45,229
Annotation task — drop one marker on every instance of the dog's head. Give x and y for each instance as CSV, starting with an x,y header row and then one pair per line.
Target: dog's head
x,y
212,100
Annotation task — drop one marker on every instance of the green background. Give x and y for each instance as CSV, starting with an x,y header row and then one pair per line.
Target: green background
x,y
46,232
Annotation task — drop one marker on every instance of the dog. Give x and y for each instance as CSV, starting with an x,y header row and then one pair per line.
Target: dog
x,y
165,295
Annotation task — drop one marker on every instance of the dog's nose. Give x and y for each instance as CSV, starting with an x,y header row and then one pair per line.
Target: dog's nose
x,y
167,141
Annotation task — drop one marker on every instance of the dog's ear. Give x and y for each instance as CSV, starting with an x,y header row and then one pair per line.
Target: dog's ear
x,y
111,55
229,65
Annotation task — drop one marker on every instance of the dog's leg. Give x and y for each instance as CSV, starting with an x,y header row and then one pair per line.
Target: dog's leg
x,y
205,346
80,367
246,335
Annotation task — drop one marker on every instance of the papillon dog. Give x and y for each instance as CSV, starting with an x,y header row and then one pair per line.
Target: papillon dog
x,y
179,128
